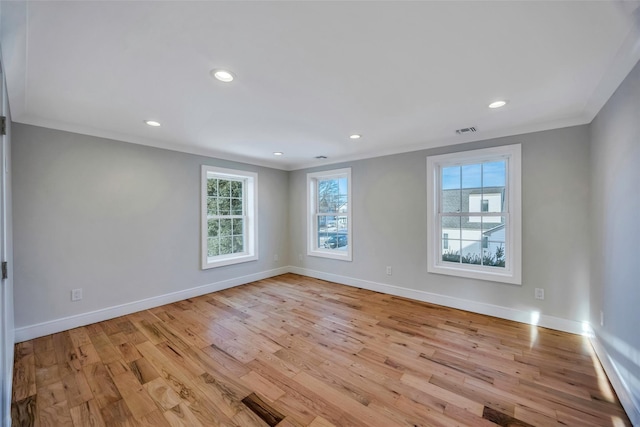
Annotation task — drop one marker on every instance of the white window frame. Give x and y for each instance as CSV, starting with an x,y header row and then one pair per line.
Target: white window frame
x,y
250,216
512,272
312,215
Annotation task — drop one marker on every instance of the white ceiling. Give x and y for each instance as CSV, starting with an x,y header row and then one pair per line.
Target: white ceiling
x,y
405,75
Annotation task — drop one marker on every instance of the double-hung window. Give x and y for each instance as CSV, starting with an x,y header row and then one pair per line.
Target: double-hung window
x,y
229,216
329,214
473,215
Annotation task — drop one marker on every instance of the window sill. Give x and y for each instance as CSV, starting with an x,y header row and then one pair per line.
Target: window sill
x,y
331,254
479,273
227,260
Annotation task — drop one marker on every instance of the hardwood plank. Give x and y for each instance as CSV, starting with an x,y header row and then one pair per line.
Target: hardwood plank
x,y
154,419
102,386
181,416
24,372
77,389
262,409
87,414
296,351
118,414
261,385
143,370
51,394
24,412
57,415
164,396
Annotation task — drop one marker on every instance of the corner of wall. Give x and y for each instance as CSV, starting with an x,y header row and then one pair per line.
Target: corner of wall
x,y
626,395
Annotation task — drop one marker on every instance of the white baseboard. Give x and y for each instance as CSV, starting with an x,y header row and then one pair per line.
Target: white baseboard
x,y
41,329
58,325
625,394
532,318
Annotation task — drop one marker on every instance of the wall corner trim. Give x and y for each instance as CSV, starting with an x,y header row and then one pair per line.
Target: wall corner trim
x,y
625,394
58,325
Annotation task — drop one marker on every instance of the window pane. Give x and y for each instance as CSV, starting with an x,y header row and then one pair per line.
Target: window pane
x,y
238,226
327,240
342,224
212,187
212,206
471,252
494,174
494,254
225,227
327,224
213,248
450,235
225,245
495,199
238,244
471,228
494,241
224,188
336,241
473,202
236,189
450,191
342,196
452,254
236,206
451,178
472,176
224,206
328,195
493,227
213,226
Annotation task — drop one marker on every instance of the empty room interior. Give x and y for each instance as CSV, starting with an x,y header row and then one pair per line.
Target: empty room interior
x,y
314,213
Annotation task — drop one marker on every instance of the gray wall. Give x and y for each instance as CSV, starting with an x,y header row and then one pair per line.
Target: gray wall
x,y
121,221
615,221
389,225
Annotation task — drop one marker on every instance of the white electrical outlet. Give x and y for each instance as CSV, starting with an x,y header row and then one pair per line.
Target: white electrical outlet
x,y
389,270
539,293
299,257
76,294
275,257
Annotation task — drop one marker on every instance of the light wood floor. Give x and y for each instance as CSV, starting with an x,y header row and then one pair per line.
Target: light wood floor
x,y
295,351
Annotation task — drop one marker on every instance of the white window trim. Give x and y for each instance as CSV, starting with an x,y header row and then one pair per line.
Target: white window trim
x,y
312,226
512,273
250,195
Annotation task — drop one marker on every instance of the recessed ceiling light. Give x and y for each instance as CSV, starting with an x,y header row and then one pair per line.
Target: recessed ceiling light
x,y
222,75
152,123
355,136
278,153
497,104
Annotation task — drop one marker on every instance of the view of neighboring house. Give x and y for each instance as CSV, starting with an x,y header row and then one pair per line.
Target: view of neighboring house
x,y
469,238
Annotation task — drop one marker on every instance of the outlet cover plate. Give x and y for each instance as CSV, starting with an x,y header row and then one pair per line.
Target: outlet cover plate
x,y
76,294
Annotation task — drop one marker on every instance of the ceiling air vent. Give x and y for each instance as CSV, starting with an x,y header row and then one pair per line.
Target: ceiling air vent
x,y
466,130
